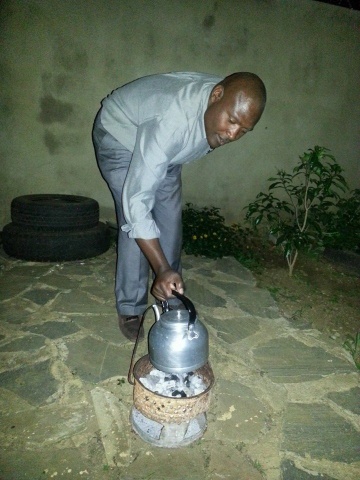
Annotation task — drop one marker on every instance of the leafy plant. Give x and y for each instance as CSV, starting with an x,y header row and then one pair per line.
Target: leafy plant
x,y
294,218
205,233
343,224
352,345
274,292
257,465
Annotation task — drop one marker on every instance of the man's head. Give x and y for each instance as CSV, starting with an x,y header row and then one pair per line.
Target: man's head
x,y
234,108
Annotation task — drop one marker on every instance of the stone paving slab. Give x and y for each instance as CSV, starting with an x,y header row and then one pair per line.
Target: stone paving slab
x,y
317,431
56,280
52,463
29,342
33,383
81,302
232,332
40,296
103,325
289,471
349,400
286,360
113,420
16,311
251,300
165,463
201,295
53,329
46,426
10,287
285,404
94,360
224,460
240,414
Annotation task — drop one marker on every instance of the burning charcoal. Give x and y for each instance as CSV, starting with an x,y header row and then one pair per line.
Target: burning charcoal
x,y
157,373
177,393
188,392
174,385
149,383
170,385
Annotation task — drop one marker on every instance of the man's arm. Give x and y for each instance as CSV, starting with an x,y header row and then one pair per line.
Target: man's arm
x,y
166,279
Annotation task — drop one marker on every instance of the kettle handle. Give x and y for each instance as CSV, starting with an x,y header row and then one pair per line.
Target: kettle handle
x,y
189,307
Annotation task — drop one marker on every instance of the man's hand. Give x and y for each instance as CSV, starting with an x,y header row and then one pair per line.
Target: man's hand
x,y
165,282
166,279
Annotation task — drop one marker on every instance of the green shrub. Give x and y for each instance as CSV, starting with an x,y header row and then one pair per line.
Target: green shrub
x,y
296,217
343,224
206,234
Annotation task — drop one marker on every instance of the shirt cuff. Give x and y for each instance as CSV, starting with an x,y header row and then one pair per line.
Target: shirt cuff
x,y
146,230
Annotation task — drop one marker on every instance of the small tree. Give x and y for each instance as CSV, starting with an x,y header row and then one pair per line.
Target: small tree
x,y
308,193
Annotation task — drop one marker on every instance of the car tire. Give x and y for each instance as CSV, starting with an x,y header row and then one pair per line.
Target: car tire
x,y
53,212
52,246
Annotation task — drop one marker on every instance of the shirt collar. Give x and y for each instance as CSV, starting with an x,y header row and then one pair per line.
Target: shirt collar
x,y
204,105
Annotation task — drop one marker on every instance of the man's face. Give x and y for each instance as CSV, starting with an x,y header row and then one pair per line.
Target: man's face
x,y
230,114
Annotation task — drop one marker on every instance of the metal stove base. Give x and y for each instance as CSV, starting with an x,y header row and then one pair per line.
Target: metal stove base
x,y
167,435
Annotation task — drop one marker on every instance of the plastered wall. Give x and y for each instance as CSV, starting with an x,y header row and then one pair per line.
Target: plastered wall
x,y
59,58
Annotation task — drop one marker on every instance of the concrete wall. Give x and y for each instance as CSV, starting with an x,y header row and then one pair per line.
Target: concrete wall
x,y
59,58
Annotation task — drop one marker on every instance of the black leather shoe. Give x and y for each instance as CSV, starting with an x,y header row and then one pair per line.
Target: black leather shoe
x,y
129,326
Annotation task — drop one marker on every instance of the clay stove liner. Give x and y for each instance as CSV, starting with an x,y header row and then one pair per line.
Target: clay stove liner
x,y
167,409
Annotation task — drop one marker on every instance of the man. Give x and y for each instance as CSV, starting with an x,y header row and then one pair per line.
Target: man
x,y
143,133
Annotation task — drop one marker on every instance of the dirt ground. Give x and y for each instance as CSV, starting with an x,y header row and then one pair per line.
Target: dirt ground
x,y
323,293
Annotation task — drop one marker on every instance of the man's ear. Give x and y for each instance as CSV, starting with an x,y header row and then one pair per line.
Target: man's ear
x,y
217,93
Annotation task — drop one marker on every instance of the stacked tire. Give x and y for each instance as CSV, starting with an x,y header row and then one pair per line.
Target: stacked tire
x,y
51,228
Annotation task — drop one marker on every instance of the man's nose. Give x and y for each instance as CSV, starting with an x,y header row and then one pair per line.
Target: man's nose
x,y
234,133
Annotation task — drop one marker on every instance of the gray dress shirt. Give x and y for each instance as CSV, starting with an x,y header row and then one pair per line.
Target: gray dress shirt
x,y
160,119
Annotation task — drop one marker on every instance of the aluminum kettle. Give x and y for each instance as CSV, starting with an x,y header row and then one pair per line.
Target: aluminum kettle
x,y
178,340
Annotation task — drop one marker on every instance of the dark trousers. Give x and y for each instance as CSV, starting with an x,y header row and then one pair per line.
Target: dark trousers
x,y
132,270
